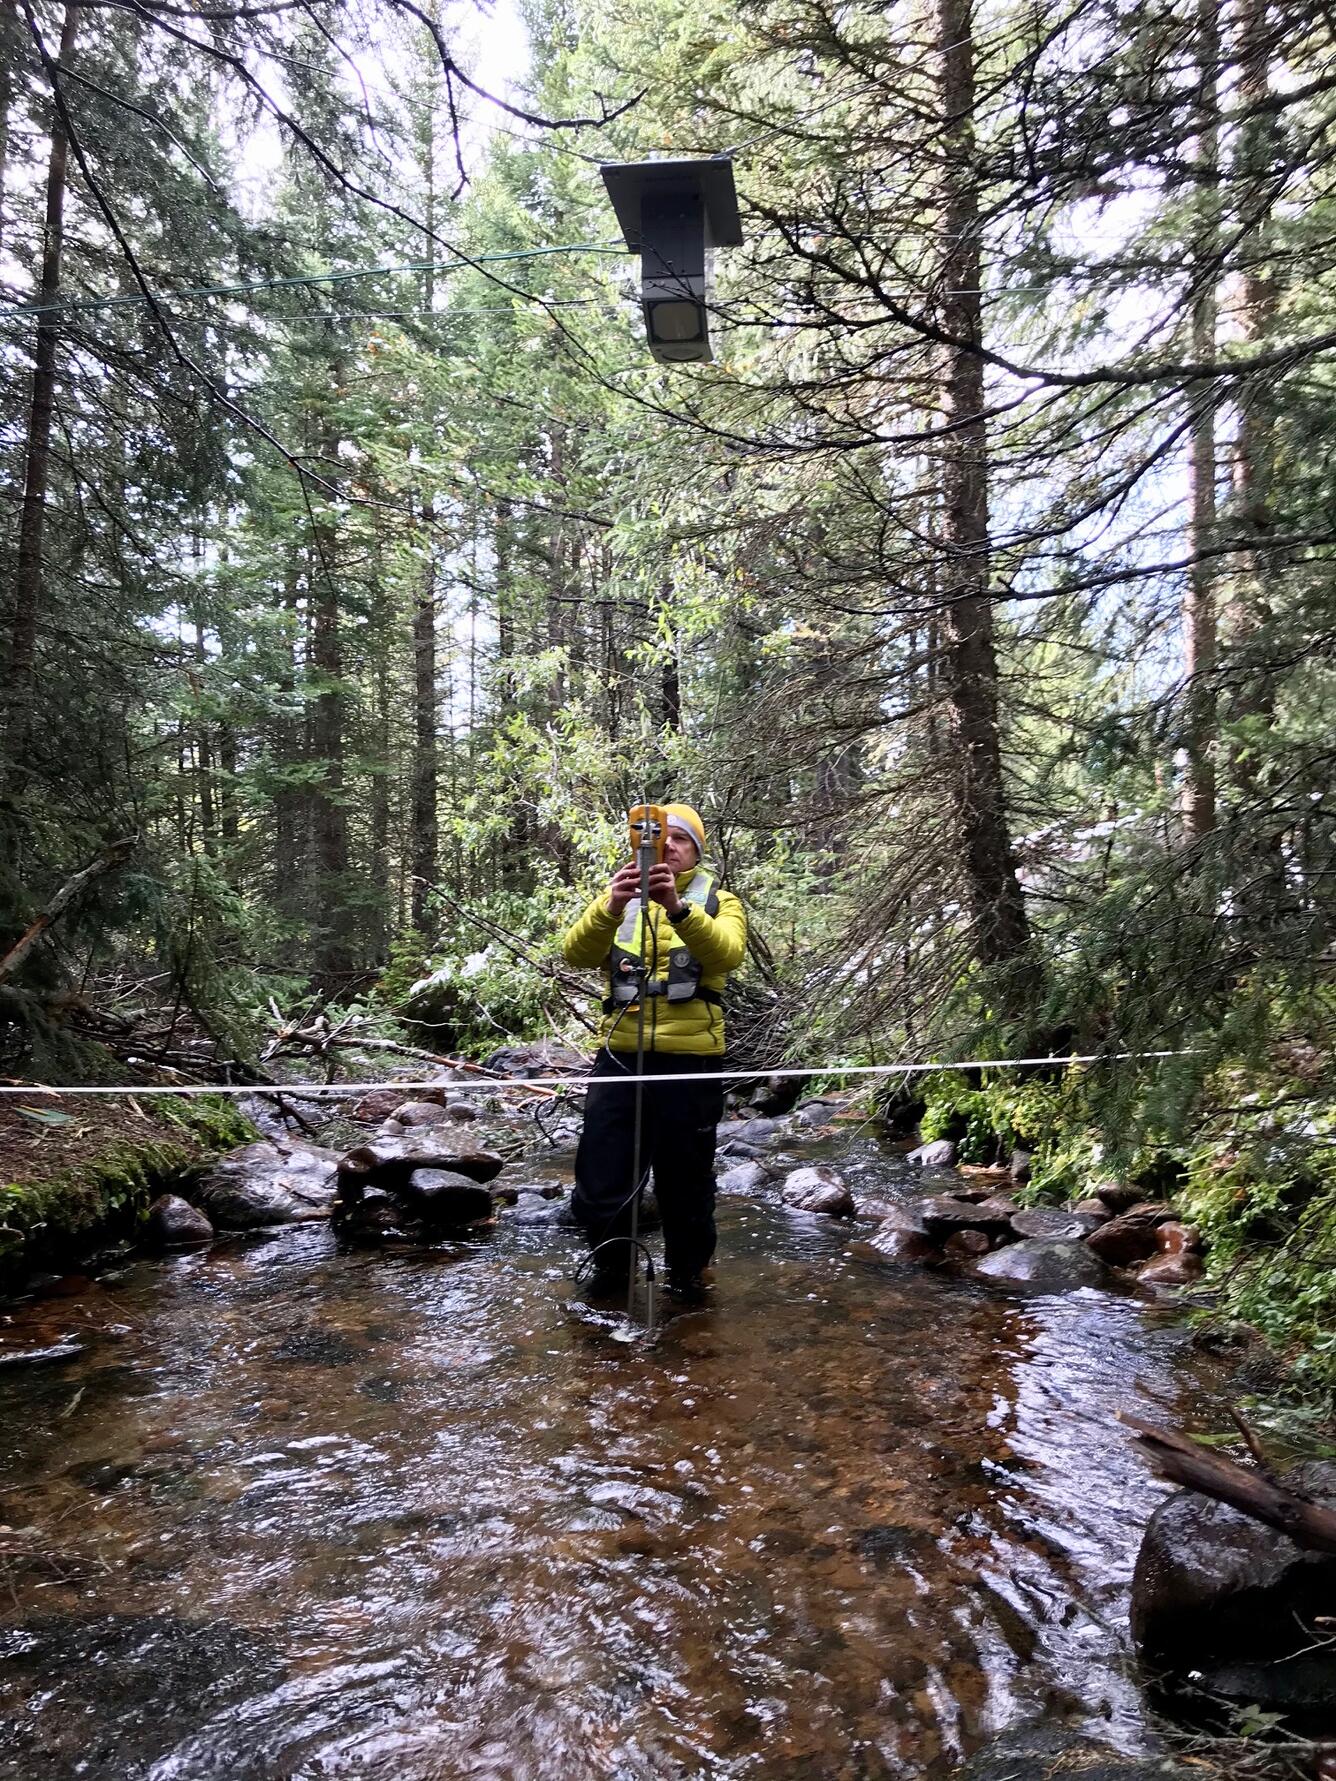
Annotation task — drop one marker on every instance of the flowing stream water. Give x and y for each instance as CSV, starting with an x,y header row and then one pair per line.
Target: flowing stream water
x,y
296,1512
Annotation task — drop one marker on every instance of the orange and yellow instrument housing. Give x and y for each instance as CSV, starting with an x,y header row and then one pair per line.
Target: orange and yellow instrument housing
x,y
648,822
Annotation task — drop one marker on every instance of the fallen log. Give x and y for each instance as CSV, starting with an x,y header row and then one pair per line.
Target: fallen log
x,y
1180,1460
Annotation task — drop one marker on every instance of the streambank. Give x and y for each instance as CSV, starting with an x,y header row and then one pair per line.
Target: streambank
x,y
78,1173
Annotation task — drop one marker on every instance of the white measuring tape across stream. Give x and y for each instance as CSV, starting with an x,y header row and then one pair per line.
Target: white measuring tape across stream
x,y
494,1084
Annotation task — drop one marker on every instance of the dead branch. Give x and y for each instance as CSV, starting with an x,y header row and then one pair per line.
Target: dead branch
x,y
113,855
1181,1460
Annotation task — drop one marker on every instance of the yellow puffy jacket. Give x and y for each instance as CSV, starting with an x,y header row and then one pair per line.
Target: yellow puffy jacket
x,y
718,942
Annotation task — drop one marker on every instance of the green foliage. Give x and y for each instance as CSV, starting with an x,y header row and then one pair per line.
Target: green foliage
x,y
474,992
1261,1185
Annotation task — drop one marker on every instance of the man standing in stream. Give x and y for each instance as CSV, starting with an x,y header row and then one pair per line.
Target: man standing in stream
x,y
697,935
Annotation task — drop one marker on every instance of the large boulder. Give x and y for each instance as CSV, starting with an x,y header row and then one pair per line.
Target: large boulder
x,y
1050,1221
419,1113
433,1113
1224,1604
777,1095
939,1154
754,1133
532,1208
1130,1237
944,1213
1042,1264
544,1057
444,1199
818,1189
173,1223
268,1184
896,1244
743,1178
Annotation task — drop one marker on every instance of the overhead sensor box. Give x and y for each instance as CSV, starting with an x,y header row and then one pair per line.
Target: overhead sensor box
x,y
674,214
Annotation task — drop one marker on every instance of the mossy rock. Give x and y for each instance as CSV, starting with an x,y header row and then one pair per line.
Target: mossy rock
x,y
97,1174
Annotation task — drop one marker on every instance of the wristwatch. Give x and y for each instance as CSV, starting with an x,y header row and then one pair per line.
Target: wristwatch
x,y
681,913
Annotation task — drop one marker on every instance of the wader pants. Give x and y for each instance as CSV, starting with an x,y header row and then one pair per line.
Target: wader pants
x,y
677,1145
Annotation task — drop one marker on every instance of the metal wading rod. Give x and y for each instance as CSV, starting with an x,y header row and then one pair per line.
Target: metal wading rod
x,y
645,855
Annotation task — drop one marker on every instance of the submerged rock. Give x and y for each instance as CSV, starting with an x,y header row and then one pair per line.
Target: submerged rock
x,y
266,1184
1059,1753
1223,1603
1043,1264
818,1189
173,1223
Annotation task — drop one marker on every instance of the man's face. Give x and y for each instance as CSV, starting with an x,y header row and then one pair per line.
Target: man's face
x,y
679,851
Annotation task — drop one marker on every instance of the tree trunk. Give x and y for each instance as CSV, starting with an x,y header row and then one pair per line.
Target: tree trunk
x,y
1197,794
969,662
10,33
28,573
333,953
1254,452
670,673
333,961
382,629
426,837
204,749
290,839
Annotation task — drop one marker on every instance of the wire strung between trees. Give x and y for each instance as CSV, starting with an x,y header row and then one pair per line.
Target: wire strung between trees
x,y
441,269
492,1085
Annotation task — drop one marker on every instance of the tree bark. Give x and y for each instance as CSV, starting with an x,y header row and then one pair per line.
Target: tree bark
x,y
1254,451
1180,1460
381,643
29,568
969,660
10,29
333,954
426,836
290,805
1197,793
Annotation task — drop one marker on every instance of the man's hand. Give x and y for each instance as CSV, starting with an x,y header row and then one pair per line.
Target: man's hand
x,y
663,888
624,888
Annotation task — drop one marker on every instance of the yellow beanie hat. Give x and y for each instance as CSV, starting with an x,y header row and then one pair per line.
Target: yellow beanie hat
x,y
683,818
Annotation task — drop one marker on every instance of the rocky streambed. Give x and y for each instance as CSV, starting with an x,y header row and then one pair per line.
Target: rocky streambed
x,y
376,1494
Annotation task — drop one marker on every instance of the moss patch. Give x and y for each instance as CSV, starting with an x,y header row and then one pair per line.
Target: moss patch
x,y
75,1172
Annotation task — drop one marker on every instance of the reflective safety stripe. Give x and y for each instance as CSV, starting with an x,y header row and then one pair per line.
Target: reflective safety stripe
x,y
684,972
